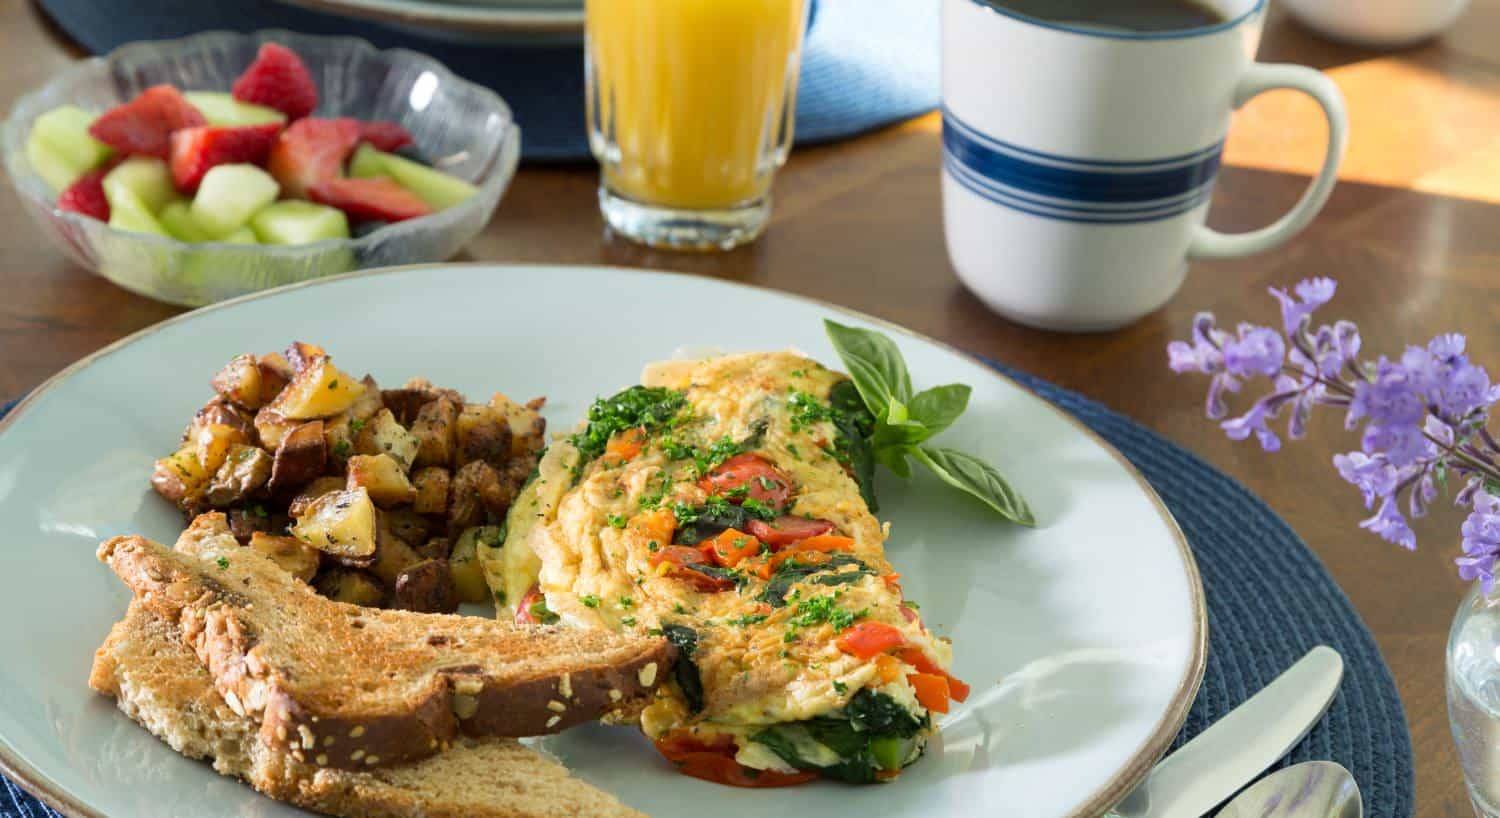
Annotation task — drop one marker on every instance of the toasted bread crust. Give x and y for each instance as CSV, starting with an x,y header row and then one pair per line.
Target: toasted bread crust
x,y
157,681
354,688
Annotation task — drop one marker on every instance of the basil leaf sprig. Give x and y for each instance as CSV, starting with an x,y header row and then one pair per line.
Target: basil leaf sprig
x,y
905,420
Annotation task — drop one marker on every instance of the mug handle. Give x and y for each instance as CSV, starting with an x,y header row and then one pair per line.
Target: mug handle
x,y
1262,77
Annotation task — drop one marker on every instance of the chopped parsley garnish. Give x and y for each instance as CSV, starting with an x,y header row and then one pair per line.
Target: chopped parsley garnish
x,y
839,687
626,602
745,620
500,595
223,563
589,601
907,603
541,613
616,521
333,384
820,609
356,425
758,509
627,621
678,609
638,406
342,448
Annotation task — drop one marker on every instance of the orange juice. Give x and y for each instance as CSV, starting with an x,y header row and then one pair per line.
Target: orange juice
x,y
690,101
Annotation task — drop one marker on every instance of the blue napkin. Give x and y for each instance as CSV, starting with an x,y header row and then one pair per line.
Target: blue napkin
x,y
869,63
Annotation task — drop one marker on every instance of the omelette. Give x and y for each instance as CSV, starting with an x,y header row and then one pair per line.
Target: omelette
x,y
719,503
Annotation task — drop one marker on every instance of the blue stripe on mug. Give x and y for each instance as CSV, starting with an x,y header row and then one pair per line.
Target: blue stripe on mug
x,y
1047,184
951,119
1086,215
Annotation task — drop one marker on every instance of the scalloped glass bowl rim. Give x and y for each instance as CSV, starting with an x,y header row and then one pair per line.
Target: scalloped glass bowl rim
x,y
26,180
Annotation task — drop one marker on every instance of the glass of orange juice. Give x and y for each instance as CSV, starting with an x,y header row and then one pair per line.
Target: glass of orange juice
x,y
690,108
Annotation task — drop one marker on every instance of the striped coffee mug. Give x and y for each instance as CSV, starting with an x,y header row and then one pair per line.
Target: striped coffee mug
x,y
1078,162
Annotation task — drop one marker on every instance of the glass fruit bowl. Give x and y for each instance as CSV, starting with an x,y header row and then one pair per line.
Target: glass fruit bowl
x,y
459,128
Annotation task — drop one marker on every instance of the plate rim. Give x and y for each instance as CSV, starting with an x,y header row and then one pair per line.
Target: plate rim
x,y
1117,787
454,18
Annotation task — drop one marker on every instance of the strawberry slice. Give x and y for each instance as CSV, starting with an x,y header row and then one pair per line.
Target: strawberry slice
x,y
195,150
278,79
376,199
311,150
386,136
86,195
145,124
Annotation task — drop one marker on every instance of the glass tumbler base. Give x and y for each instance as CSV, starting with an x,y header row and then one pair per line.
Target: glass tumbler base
x,y
677,229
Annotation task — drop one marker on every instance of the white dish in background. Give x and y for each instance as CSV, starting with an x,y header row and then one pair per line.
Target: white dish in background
x,y
504,22
1084,639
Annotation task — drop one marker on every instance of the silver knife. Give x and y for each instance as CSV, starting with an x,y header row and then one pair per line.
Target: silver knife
x,y
1241,745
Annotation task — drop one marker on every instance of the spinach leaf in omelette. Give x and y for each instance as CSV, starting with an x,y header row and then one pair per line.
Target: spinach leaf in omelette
x,y
685,670
791,572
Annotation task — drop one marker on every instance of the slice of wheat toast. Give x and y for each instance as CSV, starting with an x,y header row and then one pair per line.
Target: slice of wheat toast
x,y
157,681
360,687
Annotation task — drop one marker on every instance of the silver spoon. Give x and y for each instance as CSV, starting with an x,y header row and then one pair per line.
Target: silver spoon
x,y
1312,789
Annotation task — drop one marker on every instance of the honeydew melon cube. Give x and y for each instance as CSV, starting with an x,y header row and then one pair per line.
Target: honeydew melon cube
x,y
298,222
52,166
219,108
128,212
177,218
145,176
66,130
368,162
438,189
244,235
229,195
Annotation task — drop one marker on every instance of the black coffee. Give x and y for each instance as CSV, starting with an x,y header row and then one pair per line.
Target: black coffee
x,y
1129,15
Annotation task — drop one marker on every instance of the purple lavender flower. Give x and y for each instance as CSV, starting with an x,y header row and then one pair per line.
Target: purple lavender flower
x,y
1254,421
1391,526
1313,293
1375,477
1481,541
1257,351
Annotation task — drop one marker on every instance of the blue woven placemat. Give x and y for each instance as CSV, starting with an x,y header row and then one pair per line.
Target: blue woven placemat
x,y
868,63
1269,602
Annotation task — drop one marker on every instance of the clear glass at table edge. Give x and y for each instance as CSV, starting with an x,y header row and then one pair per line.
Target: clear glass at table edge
x,y
1474,696
690,109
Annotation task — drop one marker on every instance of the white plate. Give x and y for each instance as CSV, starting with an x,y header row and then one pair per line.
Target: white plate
x,y
1084,639
498,21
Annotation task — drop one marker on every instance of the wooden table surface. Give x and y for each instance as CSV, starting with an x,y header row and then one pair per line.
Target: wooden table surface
x,y
1412,232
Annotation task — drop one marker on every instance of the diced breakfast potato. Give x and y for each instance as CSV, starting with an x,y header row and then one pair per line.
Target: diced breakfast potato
x,y
392,554
272,428
528,429
277,364
301,354
300,457
368,403
410,526
222,413
338,435
327,484
244,522
382,477
481,433
431,484
353,587
341,524
293,556
180,478
463,563
426,587
320,390
240,382
434,430
212,441
245,470
381,434
437,548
